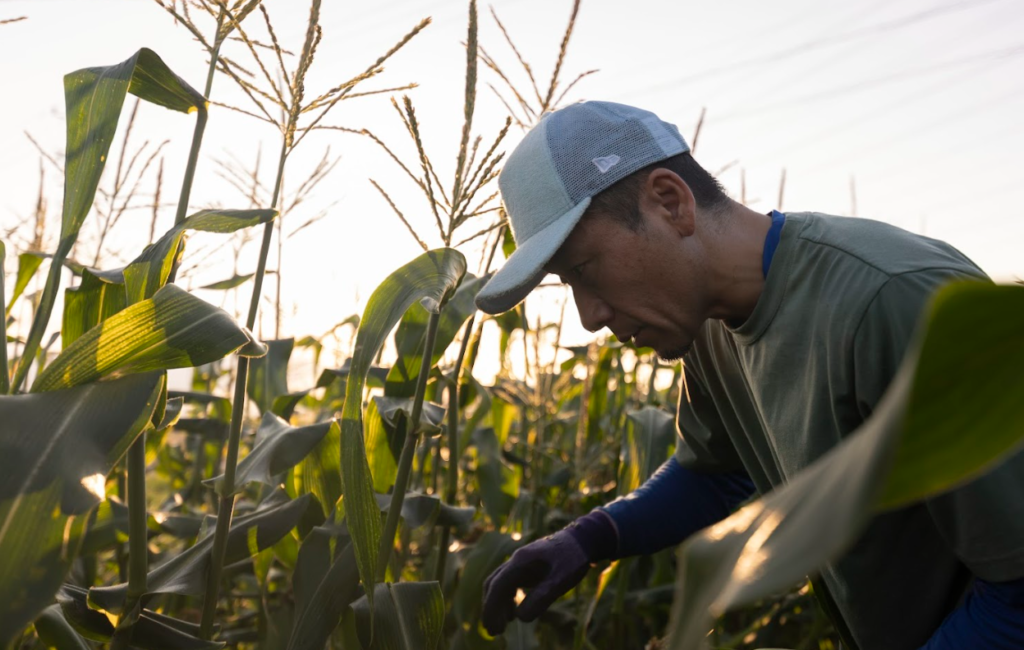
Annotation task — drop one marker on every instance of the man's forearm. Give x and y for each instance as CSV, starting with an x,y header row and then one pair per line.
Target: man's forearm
x,y
671,505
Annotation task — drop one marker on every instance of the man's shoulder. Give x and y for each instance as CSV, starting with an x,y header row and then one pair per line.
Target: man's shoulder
x,y
886,248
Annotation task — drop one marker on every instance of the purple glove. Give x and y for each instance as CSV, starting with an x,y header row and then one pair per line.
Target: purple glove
x,y
546,568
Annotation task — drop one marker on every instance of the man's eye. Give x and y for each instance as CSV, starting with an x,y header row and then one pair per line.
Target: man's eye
x,y
577,271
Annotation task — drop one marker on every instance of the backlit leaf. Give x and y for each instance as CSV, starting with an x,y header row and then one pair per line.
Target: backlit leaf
x,y
173,329
56,450
278,447
430,278
406,616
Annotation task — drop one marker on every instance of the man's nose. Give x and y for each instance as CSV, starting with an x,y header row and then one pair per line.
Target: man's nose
x,y
594,312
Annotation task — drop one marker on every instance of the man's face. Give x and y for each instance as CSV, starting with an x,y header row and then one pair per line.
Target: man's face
x,y
637,284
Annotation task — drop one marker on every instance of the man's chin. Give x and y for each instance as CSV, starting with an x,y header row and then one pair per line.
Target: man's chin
x,y
674,354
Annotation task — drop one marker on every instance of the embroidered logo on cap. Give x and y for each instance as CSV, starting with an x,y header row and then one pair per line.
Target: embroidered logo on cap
x,y
604,163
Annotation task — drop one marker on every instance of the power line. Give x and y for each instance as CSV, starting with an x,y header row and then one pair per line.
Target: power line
x,y
838,91
827,41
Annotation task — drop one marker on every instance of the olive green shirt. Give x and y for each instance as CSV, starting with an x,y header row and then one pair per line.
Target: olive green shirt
x,y
839,306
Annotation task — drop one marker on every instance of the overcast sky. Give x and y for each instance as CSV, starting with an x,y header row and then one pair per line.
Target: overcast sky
x,y
916,104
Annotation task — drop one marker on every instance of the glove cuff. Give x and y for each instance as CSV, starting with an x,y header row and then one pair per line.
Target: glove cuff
x,y
596,534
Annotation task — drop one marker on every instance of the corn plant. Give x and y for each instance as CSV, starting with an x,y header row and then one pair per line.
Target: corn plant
x,y
366,509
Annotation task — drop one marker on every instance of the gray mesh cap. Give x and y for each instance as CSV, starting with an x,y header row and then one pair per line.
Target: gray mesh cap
x,y
547,183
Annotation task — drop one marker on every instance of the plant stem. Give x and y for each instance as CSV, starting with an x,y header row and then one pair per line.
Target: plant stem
x,y
227,490
138,564
451,479
387,540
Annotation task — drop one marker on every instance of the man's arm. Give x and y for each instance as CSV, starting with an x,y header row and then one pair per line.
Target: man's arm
x,y
672,505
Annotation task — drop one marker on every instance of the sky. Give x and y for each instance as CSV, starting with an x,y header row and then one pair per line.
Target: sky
x,y
904,111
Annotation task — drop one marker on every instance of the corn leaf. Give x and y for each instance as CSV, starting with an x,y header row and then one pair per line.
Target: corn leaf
x,y
150,270
497,482
407,616
151,632
97,297
173,329
230,283
952,411
428,510
56,450
430,278
649,441
185,573
385,423
268,375
93,99
28,264
410,337
326,581
278,447
56,632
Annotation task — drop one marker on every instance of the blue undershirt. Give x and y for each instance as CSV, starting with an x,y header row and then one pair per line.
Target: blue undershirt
x,y
991,617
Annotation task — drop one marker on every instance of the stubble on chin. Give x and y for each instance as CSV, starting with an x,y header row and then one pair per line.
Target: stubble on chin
x,y
670,356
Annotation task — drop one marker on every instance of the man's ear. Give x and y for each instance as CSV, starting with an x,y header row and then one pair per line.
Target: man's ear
x,y
666,197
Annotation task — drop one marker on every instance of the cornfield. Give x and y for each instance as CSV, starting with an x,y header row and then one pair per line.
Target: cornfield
x,y
365,509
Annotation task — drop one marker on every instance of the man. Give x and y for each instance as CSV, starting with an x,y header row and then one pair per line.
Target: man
x,y
790,327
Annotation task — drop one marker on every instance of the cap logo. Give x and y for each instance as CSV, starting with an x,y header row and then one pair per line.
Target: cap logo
x,y
604,163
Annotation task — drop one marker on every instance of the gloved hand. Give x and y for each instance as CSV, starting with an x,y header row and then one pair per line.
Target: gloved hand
x,y
546,569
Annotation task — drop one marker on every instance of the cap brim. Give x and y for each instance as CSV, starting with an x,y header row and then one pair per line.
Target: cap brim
x,y
524,269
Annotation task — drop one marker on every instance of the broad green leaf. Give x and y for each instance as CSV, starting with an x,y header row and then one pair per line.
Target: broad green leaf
x,y
93,100
173,329
152,631
28,264
278,447
150,270
497,482
268,375
326,581
959,386
185,573
406,616
56,632
96,298
385,424
598,397
381,451
649,441
108,528
230,283
428,510
56,450
430,278
410,337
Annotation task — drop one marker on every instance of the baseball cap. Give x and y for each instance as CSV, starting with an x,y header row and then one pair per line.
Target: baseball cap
x,y
547,183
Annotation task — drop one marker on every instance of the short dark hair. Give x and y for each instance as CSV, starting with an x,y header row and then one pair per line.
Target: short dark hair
x,y
621,201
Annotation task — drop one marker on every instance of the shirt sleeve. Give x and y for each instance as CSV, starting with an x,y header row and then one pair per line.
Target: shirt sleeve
x,y
982,521
991,617
703,443
674,503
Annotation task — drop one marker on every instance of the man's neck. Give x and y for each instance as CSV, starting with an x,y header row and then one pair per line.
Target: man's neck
x,y
736,247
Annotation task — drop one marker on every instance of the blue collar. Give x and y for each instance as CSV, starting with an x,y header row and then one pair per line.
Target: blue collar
x,y
771,241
